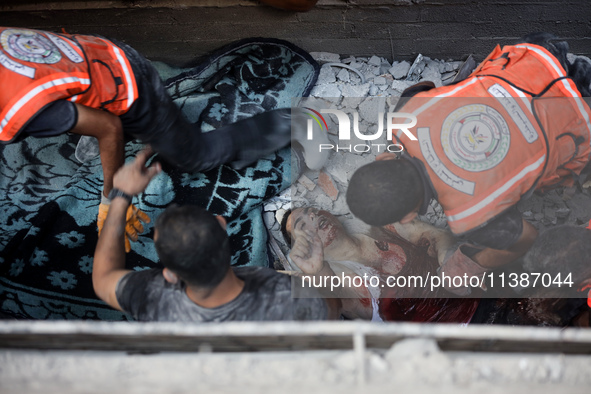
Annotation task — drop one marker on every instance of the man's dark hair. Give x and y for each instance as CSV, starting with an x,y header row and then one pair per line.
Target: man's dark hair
x,y
563,249
192,243
384,191
284,232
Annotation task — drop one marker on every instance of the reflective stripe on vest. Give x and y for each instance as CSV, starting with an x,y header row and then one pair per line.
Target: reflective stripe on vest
x,y
40,88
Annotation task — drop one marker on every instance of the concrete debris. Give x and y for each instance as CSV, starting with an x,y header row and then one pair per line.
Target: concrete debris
x,y
326,75
416,69
343,75
306,182
326,90
374,61
325,57
399,70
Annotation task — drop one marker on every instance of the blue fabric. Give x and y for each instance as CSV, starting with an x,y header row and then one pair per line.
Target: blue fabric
x,y
49,201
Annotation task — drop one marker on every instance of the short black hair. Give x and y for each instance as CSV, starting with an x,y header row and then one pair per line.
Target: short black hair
x,y
284,232
192,243
384,191
562,249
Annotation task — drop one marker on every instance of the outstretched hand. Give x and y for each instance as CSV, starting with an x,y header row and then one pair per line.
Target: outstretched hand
x,y
134,177
307,252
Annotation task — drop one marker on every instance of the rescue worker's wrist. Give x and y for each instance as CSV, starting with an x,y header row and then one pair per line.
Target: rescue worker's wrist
x,y
119,193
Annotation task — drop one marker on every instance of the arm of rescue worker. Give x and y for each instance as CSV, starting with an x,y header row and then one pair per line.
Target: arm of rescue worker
x,y
493,258
107,129
308,255
109,256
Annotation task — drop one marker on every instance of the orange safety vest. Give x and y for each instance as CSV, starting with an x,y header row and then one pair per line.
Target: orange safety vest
x,y
38,67
517,124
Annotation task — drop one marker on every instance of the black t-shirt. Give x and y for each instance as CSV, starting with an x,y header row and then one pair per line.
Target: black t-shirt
x,y
147,296
54,119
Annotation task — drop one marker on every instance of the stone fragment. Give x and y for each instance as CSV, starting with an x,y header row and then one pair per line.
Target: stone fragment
x,y
351,102
343,75
369,109
399,86
326,75
528,214
538,216
327,184
399,70
373,90
356,65
306,182
355,90
325,57
326,90
431,74
279,215
322,201
379,81
375,61
348,60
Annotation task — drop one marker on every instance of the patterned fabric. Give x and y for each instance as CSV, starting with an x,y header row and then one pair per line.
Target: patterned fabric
x,y
49,201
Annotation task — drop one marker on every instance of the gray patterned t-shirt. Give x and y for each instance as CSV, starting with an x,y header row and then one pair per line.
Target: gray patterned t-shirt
x,y
147,296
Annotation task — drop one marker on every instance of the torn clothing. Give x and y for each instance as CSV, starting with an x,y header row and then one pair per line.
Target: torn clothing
x,y
266,296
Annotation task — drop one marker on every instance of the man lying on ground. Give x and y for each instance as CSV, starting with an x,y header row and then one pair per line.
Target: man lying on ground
x,y
197,283
385,253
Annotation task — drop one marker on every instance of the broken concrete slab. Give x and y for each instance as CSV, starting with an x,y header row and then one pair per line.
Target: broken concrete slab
x,y
325,57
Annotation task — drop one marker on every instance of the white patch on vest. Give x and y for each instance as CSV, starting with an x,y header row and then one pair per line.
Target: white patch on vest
x,y
66,48
475,137
16,67
511,105
448,177
29,46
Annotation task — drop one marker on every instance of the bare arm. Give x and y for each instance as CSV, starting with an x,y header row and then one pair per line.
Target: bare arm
x,y
493,258
109,256
107,129
440,241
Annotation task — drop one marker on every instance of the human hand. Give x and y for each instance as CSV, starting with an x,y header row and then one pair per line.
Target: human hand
x,y
307,252
134,177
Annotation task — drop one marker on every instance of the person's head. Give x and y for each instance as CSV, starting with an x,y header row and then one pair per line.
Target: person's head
x,y
330,229
385,191
193,244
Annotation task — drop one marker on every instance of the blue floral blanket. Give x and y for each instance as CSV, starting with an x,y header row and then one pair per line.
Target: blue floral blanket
x,y
49,201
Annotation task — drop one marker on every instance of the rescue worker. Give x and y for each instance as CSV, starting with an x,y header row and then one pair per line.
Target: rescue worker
x,y
517,124
56,83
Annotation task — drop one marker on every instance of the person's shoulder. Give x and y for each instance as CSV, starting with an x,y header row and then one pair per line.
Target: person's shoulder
x,y
135,284
262,279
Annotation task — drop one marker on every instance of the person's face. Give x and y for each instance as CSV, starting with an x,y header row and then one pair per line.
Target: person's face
x,y
330,230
